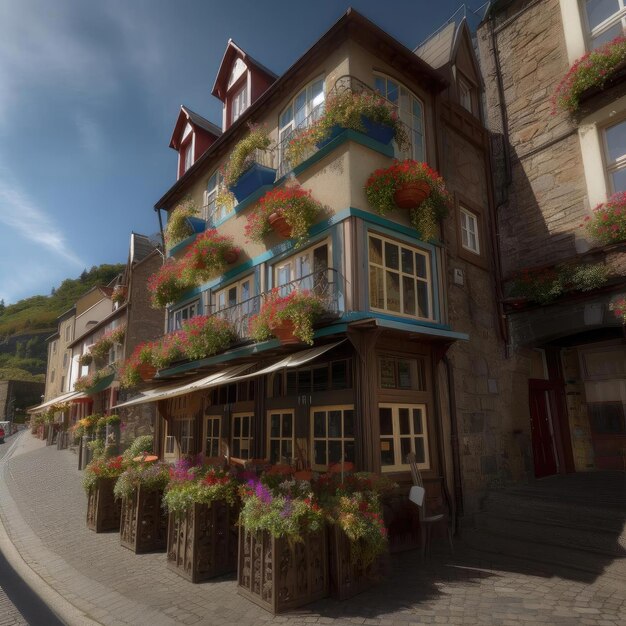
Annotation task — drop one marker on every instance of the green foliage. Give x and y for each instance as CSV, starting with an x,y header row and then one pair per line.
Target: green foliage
x,y
139,446
149,476
242,156
17,373
178,227
102,468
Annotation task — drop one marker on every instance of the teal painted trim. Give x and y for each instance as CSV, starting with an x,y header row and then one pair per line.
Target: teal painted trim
x,y
332,329
242,206
346,135
182,245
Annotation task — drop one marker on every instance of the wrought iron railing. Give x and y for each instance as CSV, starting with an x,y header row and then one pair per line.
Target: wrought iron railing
x,y
325,284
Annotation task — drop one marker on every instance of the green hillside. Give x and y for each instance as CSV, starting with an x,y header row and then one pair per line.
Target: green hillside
x,y
25,325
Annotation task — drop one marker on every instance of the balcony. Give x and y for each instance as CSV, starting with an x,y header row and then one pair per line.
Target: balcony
x,y
326,284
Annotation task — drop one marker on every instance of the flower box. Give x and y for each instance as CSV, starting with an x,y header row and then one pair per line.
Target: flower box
x,y
279,574
347,578
285,333
202,543
379,132
197,224
143,523
411,194
252,179
103,510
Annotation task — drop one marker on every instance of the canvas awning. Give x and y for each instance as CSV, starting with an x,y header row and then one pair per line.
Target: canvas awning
x,y
173,391
64,397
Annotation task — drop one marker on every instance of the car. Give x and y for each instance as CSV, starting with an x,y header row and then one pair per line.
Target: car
x,y
1,434
5,430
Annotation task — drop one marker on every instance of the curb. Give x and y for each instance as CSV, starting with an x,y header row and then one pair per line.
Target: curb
x,y
61,607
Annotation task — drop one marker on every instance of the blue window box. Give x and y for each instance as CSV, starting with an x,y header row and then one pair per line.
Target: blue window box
x,y
379,132
257,176
198,225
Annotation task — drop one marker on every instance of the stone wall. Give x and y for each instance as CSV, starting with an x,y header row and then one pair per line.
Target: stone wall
x,y
25,393
539,224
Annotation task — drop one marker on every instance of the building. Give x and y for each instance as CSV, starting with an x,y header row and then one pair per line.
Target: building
x,y
59,356
551,168
16,396
412,356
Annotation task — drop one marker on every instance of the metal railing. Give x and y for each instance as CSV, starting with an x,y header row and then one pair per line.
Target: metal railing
x,y
325,284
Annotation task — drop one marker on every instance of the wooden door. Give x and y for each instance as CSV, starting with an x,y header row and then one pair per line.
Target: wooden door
x,y
544,451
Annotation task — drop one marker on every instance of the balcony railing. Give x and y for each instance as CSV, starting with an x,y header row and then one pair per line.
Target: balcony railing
x,y
325,284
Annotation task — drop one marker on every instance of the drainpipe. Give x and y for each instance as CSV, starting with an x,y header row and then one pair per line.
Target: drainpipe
x,y
454,442
158,212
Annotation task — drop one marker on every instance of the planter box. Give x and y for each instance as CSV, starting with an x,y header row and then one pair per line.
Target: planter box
x,y
143,522
202,543
103,510
252,179
374,130
197,224
347,579
280,575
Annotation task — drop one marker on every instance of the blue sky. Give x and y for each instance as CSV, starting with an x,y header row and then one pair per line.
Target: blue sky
x,y
90,91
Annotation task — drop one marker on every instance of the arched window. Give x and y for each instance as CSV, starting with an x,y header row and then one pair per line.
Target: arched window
x,y
411,112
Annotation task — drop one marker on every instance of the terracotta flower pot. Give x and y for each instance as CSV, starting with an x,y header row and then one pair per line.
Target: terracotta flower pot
x,y
279,225
231,256
411,195
285,333
146,371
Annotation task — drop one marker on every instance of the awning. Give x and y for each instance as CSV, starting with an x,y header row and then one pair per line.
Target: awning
x,y
173,391
65,397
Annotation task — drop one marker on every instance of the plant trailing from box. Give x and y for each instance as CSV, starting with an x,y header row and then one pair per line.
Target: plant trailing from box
x,y
140,446
242,156
150,476
178,227
278,514
102,468
383,184
207,257
129,375
293,204
618,307
302,142
301,308
101,348
204,485
608,223
87,382
85,359
592,70
547,284
169,283
119,294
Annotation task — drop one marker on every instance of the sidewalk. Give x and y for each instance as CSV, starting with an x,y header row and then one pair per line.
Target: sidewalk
x,y
43,507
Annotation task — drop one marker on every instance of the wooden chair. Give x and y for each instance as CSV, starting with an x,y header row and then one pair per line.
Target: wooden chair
x,y
417,495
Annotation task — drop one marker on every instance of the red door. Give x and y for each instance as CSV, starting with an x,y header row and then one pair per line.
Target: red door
x,y
544,451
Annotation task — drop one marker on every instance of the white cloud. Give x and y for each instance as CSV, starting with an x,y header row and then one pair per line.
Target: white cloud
x,y
19,213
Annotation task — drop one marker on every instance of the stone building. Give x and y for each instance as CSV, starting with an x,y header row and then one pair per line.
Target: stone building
x,y
381,379
551,168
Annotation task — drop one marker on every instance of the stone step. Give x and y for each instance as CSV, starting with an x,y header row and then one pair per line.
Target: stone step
x,y
550,555
572,533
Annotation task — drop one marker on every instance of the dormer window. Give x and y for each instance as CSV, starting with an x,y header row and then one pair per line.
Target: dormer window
x,y
188,156
239,103
465,94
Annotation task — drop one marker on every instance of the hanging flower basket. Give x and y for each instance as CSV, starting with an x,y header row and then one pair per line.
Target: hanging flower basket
x,y
279,225
411,194
146,371
231,256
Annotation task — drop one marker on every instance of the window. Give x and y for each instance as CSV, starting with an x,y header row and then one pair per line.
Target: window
x,y
183,314
399,278
465,94
302,111
212,431
402,430
410,111
212,210
54,347
236,303
65,357
308,268
615,155
333,436
188,155
401,373
68,333
186,435
63,383
469,230
239,103
52,375
280,436
331,376
606,19
241,437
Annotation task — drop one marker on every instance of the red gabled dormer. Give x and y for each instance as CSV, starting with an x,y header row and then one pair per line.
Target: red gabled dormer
x,y
192,137
240,81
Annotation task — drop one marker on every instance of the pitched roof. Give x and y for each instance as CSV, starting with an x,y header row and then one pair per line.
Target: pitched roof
x,y
437,50
230,54
195,119
141,246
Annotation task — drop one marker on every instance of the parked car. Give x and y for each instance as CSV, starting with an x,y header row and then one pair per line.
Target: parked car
x,y
1,434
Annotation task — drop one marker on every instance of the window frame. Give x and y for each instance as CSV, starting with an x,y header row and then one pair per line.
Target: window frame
x,y
171,324
210,198
401,155
290,439
599,30
465,88
250,438
611,166
327,409
481,259
237,284
396,436
237,107
471,228
206,436
292,260
429,281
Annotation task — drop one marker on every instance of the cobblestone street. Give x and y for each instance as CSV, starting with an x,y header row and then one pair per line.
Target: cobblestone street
x,y
42,505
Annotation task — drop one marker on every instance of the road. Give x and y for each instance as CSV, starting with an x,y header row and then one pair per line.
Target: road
x,y
19,604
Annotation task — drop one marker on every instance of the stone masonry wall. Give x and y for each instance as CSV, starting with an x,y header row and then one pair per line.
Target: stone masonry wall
x,y
539,225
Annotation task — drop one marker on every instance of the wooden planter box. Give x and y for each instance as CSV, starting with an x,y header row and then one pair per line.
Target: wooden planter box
x,y
143,522
280,575
103,510
202,543
347,579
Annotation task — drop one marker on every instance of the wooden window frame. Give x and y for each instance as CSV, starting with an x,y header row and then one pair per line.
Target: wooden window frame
x,y
396,436
249,438
269,438
476,258
327,409
206,436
